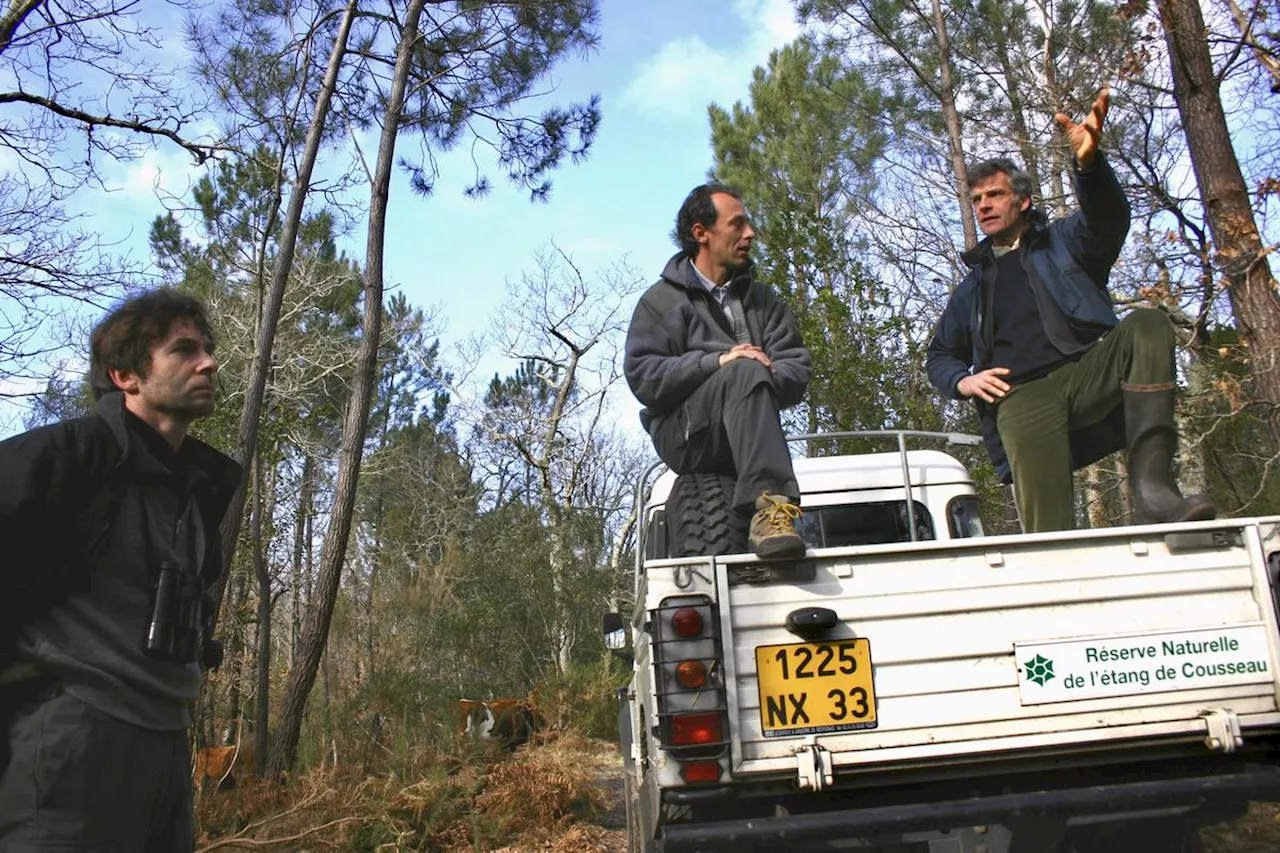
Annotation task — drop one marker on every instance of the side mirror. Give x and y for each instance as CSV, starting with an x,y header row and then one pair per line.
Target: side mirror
x,y
615,631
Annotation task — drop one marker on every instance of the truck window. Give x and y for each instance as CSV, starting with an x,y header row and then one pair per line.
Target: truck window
x,y
964,518
873,523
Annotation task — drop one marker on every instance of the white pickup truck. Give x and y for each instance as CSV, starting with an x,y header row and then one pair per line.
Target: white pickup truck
x,y
914,685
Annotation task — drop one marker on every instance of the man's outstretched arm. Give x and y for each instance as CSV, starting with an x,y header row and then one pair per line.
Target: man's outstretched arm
x,y
1098,232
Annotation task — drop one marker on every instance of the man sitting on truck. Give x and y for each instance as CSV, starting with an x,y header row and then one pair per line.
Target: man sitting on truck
x,y
714,355
1030,335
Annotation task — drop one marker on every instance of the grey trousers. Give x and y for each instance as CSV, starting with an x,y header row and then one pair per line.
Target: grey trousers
x,y
730,426
79,780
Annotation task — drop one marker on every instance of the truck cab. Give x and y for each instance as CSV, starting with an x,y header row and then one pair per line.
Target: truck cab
x,y
859,500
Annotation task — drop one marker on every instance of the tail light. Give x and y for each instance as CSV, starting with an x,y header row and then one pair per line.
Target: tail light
x,y
701,771
689,663
691,674
697,729
687,622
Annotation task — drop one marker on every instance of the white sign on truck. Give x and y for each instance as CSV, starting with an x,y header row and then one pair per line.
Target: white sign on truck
x,y
1128,664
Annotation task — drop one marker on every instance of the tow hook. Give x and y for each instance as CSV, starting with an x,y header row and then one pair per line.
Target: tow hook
x,y
1224,730
814,768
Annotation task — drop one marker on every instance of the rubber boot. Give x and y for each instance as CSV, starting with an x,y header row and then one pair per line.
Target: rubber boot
x,y
1153,440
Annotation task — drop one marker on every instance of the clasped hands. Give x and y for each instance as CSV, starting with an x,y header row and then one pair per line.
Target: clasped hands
x,y
746,351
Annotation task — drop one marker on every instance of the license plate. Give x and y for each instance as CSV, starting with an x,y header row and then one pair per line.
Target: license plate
x,y
816,688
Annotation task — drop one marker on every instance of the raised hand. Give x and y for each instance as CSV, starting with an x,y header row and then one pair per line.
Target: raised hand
x,y
1086,136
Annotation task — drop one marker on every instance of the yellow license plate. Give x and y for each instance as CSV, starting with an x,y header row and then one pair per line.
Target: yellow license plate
x,y
816,688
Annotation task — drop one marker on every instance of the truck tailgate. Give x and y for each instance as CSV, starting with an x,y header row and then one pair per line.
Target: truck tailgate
x,y
1006,643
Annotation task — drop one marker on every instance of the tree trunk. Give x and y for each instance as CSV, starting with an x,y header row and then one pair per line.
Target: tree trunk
x,y
235,651
561,633
1064,158
558,507
999,32
262,708
296,597
309,556
355,419
328,736
247,437
619,549
951,115
1239,250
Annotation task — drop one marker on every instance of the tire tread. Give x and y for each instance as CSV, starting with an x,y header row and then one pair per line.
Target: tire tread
x,y
701,517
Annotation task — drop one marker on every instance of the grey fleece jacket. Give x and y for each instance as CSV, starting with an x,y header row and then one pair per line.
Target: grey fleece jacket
x,y
678,334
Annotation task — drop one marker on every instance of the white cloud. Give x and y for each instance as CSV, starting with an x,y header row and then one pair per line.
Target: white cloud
x,y
9,161
136,191
157,174
682,78
775,21
686,74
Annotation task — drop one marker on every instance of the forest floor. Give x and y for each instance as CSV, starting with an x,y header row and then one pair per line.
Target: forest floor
x,y
1256,832
563,796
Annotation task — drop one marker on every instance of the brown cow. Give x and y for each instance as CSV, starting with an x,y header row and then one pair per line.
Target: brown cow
x,y
510,721
220,765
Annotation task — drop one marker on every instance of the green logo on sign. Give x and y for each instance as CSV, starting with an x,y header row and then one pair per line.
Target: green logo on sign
x,y
1039,670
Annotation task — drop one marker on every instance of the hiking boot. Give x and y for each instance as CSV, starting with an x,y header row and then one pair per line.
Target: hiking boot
x,y
773,533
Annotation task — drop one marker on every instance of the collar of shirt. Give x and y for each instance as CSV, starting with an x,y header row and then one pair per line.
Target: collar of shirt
x,y
719,291
1001,251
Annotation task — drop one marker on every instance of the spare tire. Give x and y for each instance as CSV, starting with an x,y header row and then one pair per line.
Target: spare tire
x,y
701,518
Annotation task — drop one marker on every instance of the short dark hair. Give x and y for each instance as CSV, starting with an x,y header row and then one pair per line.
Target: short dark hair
x,y
1019,178
124,338
698,209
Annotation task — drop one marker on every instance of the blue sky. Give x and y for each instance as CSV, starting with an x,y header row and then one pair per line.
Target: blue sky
x,y
658,66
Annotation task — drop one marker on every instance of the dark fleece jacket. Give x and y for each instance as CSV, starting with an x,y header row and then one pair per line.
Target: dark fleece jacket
x,y
86,613
678,334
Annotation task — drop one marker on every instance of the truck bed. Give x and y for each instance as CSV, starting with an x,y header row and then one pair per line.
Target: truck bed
x,y
1001,646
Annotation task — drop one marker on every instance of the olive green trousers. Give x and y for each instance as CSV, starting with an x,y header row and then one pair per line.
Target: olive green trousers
x,y
1035,418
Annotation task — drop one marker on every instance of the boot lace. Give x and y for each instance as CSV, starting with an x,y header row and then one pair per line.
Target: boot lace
x,y
780,517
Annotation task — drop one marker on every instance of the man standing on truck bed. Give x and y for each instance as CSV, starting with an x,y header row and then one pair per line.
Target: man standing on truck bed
x,y
1031,336
714,355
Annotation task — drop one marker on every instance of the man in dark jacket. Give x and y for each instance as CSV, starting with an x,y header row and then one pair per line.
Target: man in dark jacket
x,y
714,356
1031,337
96,687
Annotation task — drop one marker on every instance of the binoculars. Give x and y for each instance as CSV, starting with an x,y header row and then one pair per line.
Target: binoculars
x,y
176,624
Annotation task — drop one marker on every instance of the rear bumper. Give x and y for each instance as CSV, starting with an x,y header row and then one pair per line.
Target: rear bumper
x,y
1243,783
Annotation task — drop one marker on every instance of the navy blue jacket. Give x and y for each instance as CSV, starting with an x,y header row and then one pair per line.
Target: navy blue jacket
x,y
1067,262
